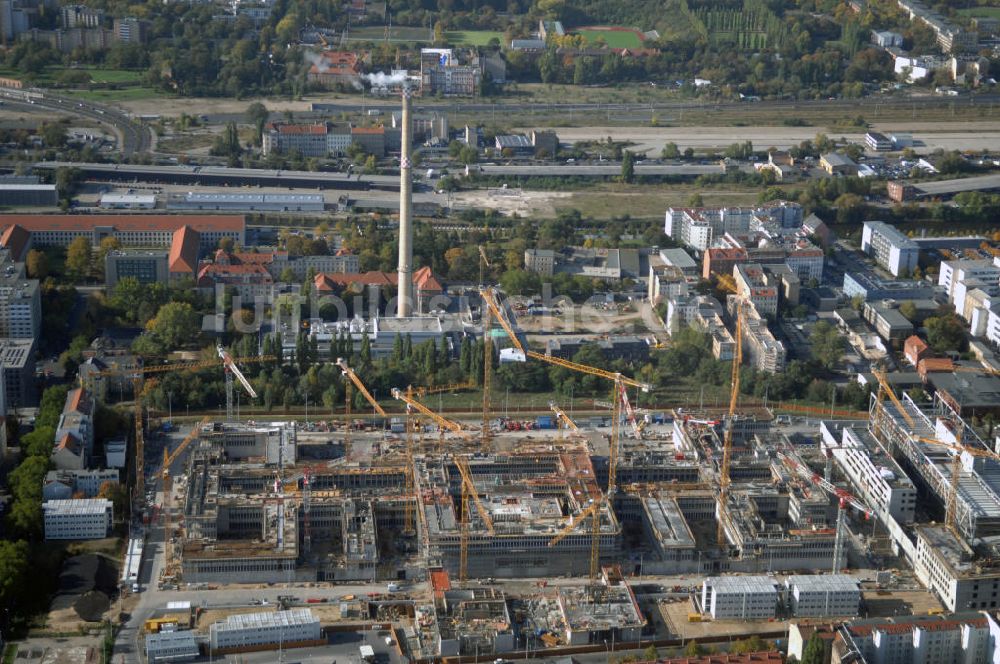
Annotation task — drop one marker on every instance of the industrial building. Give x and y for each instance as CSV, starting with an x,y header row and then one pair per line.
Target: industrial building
x,y
127,201
28,195
259,631
177,646
234,202
77,519
740,597
823,595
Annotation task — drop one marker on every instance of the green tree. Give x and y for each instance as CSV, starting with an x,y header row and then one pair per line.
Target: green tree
x,y
628,167
908,309
945,333
815,651
468,155
175,324
650,654
670,151
749,645
79,258
256,116
13,570
693,649
54,134
520,282
827,345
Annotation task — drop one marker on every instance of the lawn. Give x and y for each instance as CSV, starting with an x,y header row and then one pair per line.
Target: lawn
x,y
614,37
111,96
114,75
472,37
982,12
396,34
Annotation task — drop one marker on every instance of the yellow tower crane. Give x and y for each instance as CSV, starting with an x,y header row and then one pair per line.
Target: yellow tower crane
x,y
562,419
468,491
727,444
620,383
139,389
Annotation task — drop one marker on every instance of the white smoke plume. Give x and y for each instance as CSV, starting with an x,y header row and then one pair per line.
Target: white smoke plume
x,y
383,80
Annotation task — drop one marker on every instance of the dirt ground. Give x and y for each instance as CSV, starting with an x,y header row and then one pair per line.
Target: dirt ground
x,y
211,105
509,202
589,320
932,135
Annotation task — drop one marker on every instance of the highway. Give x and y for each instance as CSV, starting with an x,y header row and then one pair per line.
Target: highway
x,y
611,168
133,136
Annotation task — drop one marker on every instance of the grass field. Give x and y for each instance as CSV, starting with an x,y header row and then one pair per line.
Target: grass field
x,y
982,12
396,34
114,75
123,94
472,37
614,37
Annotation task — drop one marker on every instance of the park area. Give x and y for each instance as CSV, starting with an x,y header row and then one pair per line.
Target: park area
x,y
614,37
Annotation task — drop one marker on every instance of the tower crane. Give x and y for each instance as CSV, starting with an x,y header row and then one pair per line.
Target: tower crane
x,y
353,377
727,438
594,512
844,499
442,422
137,376
620,383
561,416
166,480
483,261
487,374
469,491
232,370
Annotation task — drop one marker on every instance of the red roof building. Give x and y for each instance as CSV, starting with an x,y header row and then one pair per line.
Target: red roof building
x,y
426,284
183,258
915,349
132,230
16,240
332,68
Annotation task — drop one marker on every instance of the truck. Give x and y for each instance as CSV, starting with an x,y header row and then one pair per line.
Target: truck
x,y
393,587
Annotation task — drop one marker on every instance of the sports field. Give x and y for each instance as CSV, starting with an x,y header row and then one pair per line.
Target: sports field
x,y
614,37
982,12
396,34
472,37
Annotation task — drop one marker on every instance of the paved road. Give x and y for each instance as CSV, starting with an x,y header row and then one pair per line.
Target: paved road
x,y
133,136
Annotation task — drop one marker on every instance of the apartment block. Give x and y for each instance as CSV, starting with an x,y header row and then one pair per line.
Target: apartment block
x,y
890,248
740,597
823,595
752,286
945,639
64,484
80,519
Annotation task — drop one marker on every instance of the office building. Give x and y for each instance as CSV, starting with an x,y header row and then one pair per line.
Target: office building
x,y
890,248
168,647
77,519
949,568
823,595
129,30
146,265
878,142
739,597
441,74
288,629
20,302
17,357
874,475
27,195
132,230
540,261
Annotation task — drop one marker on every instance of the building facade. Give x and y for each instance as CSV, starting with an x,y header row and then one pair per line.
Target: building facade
x,y
80,519
890,248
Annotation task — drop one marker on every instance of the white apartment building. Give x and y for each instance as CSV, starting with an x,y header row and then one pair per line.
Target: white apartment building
x,y
823,595
760,348
948,567
954,639
740,597
666,282
63,484
890,248
262,629
79,519
20,308
698,227
874,475
954,272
